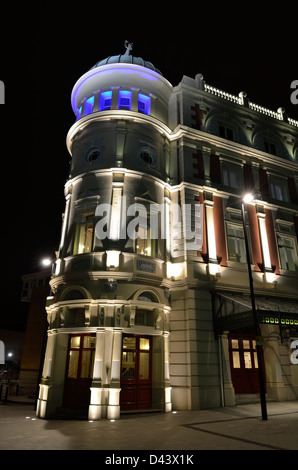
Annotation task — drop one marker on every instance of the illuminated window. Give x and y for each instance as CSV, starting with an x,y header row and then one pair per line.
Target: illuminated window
x,y
88,107
287,252
236,359
146,239
105,100
124,100
144,104
84,233
79,113
81,357
236,243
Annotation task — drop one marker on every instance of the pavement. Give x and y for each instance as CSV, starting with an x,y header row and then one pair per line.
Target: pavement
x,y
173,434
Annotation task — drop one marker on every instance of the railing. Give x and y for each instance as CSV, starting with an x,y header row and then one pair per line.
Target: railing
x,y
223,94
255,107
266,111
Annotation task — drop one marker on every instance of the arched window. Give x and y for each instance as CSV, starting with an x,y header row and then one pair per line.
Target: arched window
x,y
74,294
147,297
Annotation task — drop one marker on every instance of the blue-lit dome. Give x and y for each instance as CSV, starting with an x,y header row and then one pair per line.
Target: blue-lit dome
x,y
126,59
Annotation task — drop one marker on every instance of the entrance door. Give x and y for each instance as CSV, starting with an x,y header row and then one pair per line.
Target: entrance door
x,y
79,369
244,364
136,373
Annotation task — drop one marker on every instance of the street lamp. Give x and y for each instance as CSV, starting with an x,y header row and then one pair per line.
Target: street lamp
x,y
46,261
246,200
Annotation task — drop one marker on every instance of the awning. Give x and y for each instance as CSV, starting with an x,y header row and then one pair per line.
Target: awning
x,y
233,311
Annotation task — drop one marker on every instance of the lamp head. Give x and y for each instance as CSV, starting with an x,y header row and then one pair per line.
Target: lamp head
x,y
46,262
247,198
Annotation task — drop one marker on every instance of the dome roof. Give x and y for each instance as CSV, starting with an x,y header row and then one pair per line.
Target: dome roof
x,y
126,59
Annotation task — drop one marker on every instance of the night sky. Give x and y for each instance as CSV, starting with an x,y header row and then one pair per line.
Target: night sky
x,y
44,52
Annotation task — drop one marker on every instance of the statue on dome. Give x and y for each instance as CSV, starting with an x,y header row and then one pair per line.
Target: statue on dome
x,y
128,46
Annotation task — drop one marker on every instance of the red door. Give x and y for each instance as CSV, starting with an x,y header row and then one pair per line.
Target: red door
x,y
244,364
79,369
136,373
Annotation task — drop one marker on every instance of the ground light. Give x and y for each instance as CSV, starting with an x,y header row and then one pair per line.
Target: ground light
x,y
248,198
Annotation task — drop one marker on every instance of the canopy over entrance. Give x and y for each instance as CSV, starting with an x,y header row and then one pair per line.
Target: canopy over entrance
x,y
233,311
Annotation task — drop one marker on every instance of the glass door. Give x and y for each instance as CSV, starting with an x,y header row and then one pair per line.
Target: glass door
x,y
136,374
244,364
79,370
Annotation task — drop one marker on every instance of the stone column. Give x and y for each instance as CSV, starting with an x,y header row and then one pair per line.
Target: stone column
x,y
228,389
97,407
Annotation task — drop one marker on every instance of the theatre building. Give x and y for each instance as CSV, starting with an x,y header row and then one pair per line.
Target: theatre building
x,y
151,310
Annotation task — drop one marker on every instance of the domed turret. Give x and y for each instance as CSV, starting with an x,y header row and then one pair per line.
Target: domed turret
x,y
126,59
122,82
109,304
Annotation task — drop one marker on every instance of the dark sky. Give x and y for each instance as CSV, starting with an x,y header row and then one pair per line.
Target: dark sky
x,y
45,51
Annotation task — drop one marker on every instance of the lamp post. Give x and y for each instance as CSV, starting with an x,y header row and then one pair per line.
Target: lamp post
x,y
247,199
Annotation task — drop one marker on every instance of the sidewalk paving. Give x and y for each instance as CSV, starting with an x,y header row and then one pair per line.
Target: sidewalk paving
x,y
230,428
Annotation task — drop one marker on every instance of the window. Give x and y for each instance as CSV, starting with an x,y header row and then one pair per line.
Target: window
x,y
144,244
93,155
146,158
278,188
236,243
244,354
84,233
232,175
225,132
79,113
81,357
287,252
88,107
270,147
124,100
144,317
105,100
147,154
144,104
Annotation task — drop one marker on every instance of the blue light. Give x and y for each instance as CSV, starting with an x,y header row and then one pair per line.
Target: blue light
x,y
124,100
83,82
105,100
144,103
79,113
88,107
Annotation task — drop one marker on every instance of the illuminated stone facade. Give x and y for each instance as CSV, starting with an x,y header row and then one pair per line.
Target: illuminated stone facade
x,y
152,322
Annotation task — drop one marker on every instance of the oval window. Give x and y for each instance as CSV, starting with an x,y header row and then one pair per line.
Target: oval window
x,y
93,155
146,158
